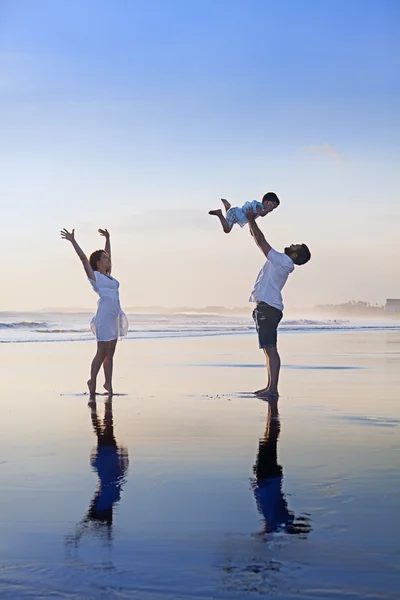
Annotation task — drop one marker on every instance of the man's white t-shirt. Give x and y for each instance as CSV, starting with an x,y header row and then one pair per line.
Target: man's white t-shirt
x,y
271,279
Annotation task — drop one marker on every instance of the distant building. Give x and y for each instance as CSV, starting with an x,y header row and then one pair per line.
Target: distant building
x,y
392,305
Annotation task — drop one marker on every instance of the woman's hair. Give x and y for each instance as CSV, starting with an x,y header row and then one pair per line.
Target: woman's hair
x,y
95,257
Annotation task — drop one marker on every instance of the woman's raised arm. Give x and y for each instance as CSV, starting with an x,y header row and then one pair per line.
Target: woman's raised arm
x,y
70,236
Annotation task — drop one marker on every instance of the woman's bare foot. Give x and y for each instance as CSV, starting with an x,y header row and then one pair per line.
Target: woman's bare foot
x,y
217,212
92,389
227,205
108,388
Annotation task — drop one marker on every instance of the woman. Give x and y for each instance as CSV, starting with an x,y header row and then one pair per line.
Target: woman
x,y
110,322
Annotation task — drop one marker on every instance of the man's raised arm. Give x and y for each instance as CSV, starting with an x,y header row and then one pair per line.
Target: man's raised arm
x,y
258,235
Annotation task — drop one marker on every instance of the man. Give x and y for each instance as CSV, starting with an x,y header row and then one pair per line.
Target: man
x,y
268,298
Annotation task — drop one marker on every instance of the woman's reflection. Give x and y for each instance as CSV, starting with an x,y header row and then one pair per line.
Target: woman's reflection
x,y
268,478
110,461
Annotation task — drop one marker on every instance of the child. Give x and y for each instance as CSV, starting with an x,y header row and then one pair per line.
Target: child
x,y
238,214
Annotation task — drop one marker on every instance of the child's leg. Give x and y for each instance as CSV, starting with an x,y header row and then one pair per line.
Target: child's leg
x,y
226,204
225,225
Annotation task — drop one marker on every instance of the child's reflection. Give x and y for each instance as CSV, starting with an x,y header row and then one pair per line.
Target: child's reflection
x,y
271,501
110,461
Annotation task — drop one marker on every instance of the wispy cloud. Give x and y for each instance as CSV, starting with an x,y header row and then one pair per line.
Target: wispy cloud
x,y
324,150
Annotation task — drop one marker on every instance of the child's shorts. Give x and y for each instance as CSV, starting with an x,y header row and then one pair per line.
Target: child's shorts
x,y
235,215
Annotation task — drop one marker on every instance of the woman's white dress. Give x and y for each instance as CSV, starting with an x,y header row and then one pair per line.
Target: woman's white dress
x,y
109,322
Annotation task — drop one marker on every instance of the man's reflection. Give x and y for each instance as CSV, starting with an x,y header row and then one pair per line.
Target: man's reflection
x,y
268,478
110,462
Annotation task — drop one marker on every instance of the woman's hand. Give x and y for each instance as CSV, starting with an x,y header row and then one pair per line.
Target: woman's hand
x,y
70,236
105,233
66,235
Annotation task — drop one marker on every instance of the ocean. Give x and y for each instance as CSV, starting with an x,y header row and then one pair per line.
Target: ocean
x,y
71,327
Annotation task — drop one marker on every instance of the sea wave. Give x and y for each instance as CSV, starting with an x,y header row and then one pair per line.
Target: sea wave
x,y
23,325
66,327
312,322
84,330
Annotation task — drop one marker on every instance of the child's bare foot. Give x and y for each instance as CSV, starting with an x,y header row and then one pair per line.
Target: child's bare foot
x,y
218,213
227,205
108,388
92,389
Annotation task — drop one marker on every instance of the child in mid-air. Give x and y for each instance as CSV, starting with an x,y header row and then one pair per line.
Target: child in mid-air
x,y
237,214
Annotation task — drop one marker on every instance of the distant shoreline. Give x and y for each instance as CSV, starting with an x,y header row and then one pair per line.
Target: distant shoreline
x,y
359,309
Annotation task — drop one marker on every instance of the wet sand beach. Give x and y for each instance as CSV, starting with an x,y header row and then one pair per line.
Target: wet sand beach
x,y
187,486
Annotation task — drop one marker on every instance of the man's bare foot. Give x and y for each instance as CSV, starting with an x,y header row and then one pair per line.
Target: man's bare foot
x,y
217,212
108,388
227,205
92,389
268,395
261,391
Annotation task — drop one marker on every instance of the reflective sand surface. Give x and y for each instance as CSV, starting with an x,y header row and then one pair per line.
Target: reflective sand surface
x,y
187,486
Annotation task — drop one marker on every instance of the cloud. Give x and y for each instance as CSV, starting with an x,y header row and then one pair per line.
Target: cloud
x,y
324,150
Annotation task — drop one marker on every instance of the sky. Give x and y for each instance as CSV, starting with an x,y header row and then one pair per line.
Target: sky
x,y
140,115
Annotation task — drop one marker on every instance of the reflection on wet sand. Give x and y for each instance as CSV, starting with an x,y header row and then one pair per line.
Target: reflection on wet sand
x,y
110,461
268,479
251,566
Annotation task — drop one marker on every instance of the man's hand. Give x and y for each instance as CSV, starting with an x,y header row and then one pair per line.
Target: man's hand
x,y
250,216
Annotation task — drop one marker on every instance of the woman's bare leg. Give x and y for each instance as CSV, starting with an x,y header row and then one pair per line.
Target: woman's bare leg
x,y
95,367
108,364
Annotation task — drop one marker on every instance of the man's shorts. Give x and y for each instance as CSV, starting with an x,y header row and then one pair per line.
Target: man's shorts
x,y
267,319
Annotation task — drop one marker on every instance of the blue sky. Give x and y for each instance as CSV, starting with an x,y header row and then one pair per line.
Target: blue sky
x,y
140,115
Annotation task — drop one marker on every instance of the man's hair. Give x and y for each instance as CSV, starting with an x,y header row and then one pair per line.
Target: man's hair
x,y
271,197
303,255
95,257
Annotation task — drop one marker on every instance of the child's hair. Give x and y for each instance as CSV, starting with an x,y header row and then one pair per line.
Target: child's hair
x,y
271,197
95,257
